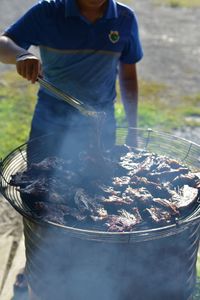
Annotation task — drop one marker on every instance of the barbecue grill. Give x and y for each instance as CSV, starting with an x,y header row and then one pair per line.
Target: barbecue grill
x,y
145,264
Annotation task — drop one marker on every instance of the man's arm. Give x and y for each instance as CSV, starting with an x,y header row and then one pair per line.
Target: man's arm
x,y
129,92
27,64
9,50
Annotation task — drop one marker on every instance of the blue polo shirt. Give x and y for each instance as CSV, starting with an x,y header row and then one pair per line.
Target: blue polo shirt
x,y
79,57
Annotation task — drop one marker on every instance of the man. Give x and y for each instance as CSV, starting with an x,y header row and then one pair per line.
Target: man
x,y
83,44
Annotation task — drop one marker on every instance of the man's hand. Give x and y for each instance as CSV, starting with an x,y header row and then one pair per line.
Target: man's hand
x,y
28,66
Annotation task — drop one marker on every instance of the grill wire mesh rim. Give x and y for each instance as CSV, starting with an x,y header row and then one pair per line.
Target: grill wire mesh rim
x,y
149,140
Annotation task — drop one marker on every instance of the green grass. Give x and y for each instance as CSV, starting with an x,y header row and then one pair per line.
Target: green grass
x,y
17,100
191,110
158,109
153,110
179,3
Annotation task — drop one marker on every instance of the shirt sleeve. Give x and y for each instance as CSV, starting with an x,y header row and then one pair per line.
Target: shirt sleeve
x,y
132,52
27,30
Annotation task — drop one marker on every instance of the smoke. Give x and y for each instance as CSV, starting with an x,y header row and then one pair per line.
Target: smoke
x,y
64,266
71,268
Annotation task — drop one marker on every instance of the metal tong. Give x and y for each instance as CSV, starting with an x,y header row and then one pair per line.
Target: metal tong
x,y
84,109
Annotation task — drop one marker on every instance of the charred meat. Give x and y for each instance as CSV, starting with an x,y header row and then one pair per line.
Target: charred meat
x,y
127,191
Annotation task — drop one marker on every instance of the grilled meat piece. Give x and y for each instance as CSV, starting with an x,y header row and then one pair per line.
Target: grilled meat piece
x,y
132,161
74,215
155,189
96,167
118,151
165,204
174,164
69,177
128,165
116,200
56,198
65,189
147,166
45,208
22,179
125,221
105,190
159,216
133,189
48,190
101,214
49,164
140,157
82,200
141,197
166,176
164,163
61,214
122,181
186,197
38,188
186,179
49,212
163,167
86,204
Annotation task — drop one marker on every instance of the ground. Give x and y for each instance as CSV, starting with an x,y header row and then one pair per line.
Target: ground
x,y
171,49
170,39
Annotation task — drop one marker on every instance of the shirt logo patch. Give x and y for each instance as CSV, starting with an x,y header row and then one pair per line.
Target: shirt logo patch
x,y
114,36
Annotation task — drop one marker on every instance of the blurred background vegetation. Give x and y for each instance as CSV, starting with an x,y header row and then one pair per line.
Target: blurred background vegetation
x,y
179,3
156,110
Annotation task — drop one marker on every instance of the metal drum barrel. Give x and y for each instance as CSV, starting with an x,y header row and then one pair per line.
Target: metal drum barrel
x,y
63,266
71,263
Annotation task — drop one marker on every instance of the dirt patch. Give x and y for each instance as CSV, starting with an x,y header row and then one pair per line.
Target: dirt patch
x,y
10,221
191,134
170,38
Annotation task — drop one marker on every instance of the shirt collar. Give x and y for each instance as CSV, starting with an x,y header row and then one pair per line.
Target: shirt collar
x,y
72,10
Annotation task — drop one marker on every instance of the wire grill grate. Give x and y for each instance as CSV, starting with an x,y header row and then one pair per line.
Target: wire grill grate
x,y
161,143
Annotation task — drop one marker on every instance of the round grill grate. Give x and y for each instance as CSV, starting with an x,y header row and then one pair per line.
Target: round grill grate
x,y
174,147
